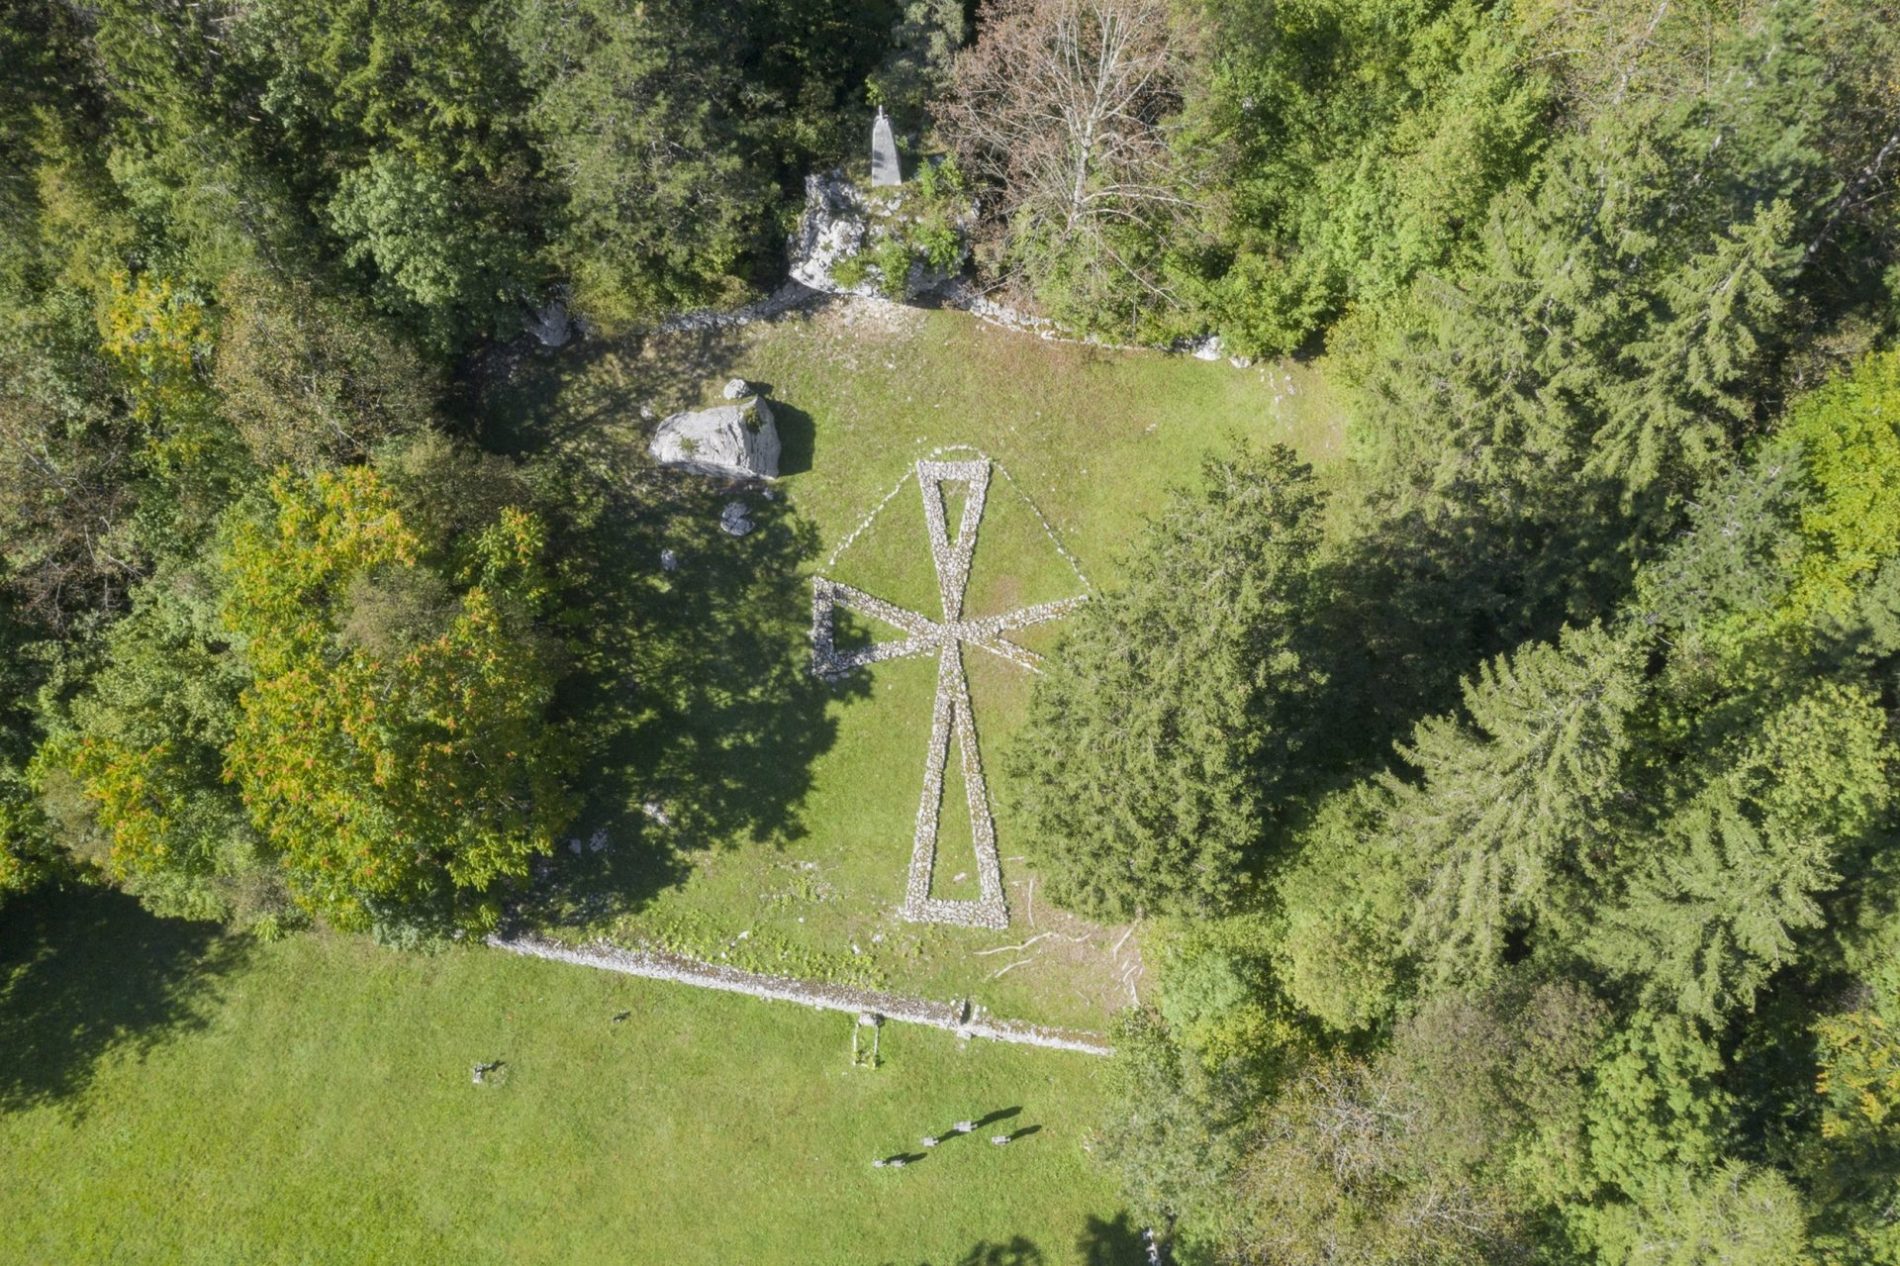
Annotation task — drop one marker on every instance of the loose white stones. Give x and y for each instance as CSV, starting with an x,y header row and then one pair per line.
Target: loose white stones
x,y
952,713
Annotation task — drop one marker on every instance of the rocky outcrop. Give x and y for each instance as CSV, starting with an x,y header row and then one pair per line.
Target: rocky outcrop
x,y
738,440
841,230
831,230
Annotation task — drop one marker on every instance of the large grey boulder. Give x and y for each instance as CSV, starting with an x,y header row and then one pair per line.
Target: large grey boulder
x,y
739,440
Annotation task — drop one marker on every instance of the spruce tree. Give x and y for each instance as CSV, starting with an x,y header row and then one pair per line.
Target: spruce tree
x,y
1168,728
1738,871
1510,810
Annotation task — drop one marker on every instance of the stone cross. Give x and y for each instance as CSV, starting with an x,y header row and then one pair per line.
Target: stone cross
x,y
945,638
885,168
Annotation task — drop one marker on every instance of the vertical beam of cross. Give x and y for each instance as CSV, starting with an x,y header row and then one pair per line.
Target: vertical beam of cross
x,y
952,713
953,558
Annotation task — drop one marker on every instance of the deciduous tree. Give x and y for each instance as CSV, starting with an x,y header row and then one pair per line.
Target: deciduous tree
x,y
1065,105
403,784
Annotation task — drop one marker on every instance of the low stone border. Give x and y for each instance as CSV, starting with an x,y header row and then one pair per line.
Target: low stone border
x,y
953,1017
957,295
961,295
791,295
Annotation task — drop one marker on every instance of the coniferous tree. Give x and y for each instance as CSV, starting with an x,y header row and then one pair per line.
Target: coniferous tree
x,y
924,43
1690,373
1737,872
1166,733
643,127
1510,811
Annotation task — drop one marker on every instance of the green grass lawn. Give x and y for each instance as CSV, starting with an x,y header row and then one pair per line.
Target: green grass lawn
x,y
170,1097
792,803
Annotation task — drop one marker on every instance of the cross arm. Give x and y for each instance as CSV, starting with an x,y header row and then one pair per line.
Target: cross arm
x,y
829,662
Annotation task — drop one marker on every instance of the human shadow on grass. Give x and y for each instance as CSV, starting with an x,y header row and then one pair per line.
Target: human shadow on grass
x,y
692,700
86,971
903,1160
1001,1114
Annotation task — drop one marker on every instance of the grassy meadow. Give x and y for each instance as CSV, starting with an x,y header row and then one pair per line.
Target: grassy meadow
x,y
168,1096
789,804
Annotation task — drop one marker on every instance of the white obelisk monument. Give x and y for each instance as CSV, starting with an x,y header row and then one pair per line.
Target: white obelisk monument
x,y
885,169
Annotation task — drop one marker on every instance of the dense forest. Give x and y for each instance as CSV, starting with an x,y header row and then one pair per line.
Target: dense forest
x,y
1520,806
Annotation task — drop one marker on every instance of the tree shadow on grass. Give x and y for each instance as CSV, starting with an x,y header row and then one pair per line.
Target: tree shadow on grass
x,y
86,971
728,716
1116,1243
586,400
1102,1243
1015,1251
693,698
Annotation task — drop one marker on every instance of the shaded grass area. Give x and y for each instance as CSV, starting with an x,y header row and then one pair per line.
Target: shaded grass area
x,y
789,804
89,974
317,1107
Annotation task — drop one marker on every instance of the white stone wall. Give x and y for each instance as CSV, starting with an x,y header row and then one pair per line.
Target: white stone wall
x,y
958,1017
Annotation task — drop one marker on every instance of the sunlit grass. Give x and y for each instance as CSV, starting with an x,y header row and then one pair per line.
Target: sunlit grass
x,y
318,1108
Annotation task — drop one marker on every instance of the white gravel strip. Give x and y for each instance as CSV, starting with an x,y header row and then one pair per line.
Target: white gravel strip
x,y
791,295
954,1017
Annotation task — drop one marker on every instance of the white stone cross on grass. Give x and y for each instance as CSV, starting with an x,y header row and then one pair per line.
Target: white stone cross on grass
x,y
946,638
